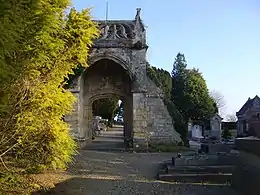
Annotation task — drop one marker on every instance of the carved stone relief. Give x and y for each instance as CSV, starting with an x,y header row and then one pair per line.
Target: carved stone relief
x,y
117,31
106,82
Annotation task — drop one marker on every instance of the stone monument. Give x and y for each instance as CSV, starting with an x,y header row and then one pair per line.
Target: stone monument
x,y
215,123
118,67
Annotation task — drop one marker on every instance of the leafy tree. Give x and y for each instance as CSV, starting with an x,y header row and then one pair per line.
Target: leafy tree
x,y
106,108
219,100
190,93
199,104
186,94
226,134
39,47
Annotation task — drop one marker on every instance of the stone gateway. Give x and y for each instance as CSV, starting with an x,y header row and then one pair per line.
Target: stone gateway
x,y
117,67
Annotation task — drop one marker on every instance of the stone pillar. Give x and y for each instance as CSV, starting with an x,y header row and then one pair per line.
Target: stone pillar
x,y
74,118
140,134
78,120
128,117
87,122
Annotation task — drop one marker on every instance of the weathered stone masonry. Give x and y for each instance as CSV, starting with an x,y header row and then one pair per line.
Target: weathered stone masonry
x,y
122,45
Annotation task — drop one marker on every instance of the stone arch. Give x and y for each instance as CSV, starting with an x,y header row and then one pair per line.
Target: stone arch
x,y
92,80
103,95
150,120
117,59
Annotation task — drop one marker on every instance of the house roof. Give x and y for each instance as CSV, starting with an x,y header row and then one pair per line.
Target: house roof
x,y
247,105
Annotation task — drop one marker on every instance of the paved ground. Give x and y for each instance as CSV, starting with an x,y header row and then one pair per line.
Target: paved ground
x,y
110,140
119,173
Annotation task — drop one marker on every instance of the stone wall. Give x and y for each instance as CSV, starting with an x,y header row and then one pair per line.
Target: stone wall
x,y
246,177
160,122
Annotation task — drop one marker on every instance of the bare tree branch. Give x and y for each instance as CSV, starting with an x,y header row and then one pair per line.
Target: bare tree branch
x,y
231,118
220,101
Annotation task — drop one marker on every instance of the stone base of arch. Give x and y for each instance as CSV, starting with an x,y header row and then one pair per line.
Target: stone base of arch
x,y
135,118
144,122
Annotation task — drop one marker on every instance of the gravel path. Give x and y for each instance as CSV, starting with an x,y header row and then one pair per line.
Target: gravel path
x,y
108,173
96,172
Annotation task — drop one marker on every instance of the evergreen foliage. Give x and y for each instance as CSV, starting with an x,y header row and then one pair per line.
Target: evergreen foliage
x,y
199,105
186,95
39,47
226,134
190,93
179,78
106,108
161,78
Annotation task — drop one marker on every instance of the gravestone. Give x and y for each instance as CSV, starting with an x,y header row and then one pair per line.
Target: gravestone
x,y
215,124
196,132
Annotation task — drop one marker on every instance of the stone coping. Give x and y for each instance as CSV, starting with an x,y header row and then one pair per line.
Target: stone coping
x,y
248,144
248,138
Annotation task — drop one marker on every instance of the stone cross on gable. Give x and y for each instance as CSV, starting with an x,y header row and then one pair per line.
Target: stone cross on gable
x,y
138,11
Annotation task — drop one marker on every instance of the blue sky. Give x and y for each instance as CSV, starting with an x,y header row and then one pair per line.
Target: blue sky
x,y
220,37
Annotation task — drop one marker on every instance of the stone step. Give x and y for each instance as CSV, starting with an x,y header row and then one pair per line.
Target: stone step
x,y
206,160
218,178
169,168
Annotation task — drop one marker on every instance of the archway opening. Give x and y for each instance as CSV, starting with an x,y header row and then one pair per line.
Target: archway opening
x,y
106,108
108,120
119,115
107,97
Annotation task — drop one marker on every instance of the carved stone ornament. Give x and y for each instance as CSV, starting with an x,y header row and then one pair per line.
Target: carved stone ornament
x,y
112,31
105,82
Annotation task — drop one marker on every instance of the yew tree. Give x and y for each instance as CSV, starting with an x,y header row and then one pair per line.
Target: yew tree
x,y
190,96
39,47
179,80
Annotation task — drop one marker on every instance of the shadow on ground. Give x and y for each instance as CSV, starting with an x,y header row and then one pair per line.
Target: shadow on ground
x,y
121,173
108,173
110,140
117,186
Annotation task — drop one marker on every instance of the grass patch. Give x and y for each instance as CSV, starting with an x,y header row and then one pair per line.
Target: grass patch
x,y
20,182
